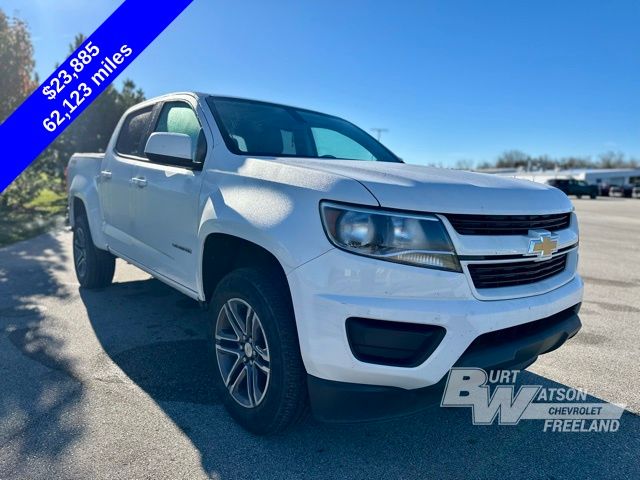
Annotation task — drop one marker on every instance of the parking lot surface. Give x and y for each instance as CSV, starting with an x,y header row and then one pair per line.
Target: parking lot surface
x,y
115,384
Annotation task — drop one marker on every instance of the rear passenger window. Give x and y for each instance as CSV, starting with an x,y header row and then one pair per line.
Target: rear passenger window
x,y
179,117
133,134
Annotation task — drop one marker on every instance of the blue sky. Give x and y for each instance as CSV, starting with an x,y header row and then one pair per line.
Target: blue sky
x,y
450,79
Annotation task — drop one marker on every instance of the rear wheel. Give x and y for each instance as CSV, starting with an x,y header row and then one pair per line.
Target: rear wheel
x,y
94,267
579,196
254,349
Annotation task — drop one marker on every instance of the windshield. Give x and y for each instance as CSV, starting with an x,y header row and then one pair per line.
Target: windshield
x,y
264,129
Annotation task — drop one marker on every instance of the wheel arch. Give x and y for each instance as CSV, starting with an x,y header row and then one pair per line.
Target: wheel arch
x,y
76,207
84,192
222,253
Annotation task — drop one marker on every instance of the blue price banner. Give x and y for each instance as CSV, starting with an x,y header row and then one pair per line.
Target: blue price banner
x,y
79,80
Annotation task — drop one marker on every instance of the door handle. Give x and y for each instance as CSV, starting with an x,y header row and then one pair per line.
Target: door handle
x,y
106,174
141,182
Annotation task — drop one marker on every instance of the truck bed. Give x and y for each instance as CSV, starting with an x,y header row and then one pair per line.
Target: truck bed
x,y
84,164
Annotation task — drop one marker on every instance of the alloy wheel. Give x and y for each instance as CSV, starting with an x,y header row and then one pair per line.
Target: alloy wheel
x,y
242,352
80,252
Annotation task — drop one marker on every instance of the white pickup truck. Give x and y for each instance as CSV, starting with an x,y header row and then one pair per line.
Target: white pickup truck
x,y
335,275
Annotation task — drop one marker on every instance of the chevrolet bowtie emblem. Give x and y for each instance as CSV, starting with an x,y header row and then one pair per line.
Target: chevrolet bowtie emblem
x,y
544,245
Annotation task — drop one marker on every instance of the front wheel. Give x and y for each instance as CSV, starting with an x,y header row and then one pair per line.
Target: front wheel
x,y
254,348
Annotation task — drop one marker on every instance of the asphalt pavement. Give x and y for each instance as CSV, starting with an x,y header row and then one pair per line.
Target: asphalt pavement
x,y
115,384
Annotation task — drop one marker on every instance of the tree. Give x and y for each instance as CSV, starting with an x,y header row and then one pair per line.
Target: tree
x,y
616,160
576,162
17,81
464,164
518,159
513,159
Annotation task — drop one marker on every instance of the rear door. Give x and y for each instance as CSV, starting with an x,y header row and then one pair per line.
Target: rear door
x,y
116,189
167,199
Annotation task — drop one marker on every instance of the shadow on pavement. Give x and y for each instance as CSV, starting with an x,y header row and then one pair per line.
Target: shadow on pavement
x,y
40,394
156,336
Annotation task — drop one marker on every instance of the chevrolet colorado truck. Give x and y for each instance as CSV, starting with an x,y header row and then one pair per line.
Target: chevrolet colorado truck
x,y
335,276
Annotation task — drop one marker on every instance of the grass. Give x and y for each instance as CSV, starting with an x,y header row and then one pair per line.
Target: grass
x,y
38,216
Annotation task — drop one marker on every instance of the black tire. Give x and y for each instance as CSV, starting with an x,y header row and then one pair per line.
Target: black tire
x,y
579,196
94,267
593,197
284,401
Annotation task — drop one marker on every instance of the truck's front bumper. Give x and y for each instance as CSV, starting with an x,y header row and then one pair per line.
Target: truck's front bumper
x,y
511,348
338,285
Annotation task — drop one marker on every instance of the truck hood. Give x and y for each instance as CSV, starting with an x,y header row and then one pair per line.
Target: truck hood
x,y
440,190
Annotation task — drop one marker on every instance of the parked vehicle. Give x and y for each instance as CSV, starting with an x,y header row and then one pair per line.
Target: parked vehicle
x,y
635,193
571,186
627,190
334,273
603,189
617,191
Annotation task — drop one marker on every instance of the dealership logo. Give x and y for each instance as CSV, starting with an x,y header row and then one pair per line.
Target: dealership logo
x,y
544,245
493,396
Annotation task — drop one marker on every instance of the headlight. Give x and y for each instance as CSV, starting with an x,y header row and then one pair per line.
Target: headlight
x,y
419,240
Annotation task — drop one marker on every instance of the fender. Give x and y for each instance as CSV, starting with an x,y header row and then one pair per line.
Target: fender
x,y
271,206
86,189
238,226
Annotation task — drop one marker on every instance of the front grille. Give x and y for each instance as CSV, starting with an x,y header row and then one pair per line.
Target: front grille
x,y
507,224
496,275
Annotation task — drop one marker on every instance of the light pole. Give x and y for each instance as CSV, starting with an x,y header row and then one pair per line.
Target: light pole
x,y
379,131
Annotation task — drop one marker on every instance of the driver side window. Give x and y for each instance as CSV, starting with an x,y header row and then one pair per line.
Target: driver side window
x,y
179,117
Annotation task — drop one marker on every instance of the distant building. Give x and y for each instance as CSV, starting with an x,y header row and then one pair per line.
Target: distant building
x,y
602,177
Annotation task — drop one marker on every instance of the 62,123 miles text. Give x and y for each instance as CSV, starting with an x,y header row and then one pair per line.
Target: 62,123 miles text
x,y
76,98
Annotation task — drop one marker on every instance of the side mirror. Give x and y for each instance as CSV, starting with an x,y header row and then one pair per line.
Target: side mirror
x,y
170,149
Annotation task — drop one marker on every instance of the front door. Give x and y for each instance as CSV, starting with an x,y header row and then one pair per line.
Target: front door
x,y
167,203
